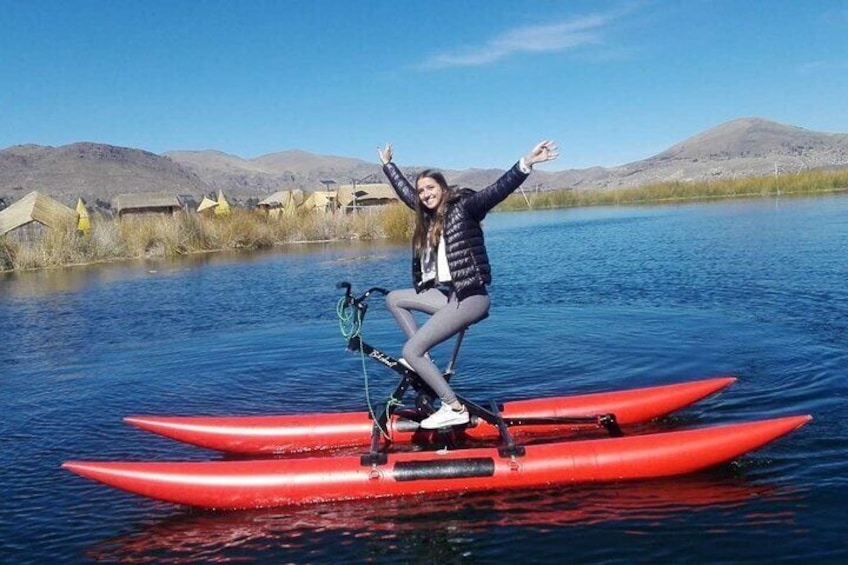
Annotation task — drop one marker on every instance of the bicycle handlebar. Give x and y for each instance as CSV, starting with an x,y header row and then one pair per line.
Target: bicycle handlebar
x,y
351,299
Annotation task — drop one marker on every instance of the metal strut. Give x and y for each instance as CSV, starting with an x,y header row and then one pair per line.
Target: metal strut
x,y
377,454
610,424
508,449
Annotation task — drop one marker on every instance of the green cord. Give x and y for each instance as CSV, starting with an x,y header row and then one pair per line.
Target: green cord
x,y
350,324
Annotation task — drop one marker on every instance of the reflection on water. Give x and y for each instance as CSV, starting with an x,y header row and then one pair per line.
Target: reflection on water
x,y
640,508
71,279
583,301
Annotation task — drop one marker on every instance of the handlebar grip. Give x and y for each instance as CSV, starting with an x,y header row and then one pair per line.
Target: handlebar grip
x,y
377,289
361,300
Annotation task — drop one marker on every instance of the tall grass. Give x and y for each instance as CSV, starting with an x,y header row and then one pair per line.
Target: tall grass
x,y
161,236
810,182
58,246
397,222
7,254
113,239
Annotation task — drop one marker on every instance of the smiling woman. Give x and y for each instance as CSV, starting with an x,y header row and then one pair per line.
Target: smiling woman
x,y
450,265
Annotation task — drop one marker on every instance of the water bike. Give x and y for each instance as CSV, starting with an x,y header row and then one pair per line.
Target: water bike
x,y
316,458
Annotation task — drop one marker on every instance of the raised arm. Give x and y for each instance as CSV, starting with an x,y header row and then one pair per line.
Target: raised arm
x,y
480,203
401,185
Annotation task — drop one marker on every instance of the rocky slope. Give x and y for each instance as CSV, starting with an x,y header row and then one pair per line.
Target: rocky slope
x,y
743,147
91,170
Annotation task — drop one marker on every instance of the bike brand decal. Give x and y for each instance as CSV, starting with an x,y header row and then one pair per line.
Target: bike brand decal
x,y
383,358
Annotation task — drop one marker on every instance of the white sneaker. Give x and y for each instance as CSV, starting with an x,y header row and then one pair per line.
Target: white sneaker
x,y
444,417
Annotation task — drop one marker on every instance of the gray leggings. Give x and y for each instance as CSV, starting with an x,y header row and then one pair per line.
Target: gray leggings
x,y
448,317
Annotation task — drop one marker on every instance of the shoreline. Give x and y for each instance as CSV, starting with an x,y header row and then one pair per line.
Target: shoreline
x,y
515,203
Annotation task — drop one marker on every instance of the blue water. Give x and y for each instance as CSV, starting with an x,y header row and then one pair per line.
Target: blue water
x,y
584,300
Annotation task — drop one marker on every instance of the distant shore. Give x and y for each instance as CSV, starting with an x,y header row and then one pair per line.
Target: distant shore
x,y
187,233
796,184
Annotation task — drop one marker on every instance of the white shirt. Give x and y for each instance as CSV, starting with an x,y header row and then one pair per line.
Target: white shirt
x,y
435,266
442,268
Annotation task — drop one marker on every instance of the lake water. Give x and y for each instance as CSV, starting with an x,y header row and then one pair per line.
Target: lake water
x,y
584,300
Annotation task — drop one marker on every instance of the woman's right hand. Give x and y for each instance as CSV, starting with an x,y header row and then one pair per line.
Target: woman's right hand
x,y
386,154
543,151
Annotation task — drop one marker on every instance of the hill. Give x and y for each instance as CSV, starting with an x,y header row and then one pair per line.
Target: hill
x,y
266,174
743,147
739,148
91,170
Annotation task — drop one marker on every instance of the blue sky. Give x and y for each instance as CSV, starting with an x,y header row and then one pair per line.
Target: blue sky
x,y
451,84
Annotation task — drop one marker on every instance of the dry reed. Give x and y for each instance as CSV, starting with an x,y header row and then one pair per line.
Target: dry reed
x,y
166,236
810,182
161,236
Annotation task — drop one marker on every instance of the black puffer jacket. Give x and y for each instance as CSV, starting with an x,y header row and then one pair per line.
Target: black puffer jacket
x,y
465,247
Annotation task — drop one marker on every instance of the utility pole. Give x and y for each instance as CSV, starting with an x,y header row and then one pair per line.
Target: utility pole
x,y
369,178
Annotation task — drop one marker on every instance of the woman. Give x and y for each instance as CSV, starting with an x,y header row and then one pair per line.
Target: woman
x,y
450,266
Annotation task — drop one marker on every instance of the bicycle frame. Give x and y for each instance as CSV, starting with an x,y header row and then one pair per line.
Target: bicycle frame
x,y
425,396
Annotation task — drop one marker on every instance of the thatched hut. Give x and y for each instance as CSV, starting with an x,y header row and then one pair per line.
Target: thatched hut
x,y
26,220
207,206
354,196
322,201
84,221
147,204
223,207
282,202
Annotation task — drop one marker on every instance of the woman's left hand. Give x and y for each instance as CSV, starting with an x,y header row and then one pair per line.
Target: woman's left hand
x,y
386,153
544,151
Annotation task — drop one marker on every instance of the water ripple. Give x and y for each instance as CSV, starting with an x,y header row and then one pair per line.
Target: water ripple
x,y
584,300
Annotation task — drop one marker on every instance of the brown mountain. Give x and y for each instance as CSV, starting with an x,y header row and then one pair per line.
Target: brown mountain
x,y
91,170
740,148
257,177
752,138
744,147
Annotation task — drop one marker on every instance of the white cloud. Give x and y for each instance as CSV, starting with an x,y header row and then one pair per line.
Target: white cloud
x,y
546,38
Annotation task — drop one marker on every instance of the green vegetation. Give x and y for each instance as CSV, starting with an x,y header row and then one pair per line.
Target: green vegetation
x,y
807,183
160,236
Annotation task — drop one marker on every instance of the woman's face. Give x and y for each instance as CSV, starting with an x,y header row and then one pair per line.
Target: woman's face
x,y
430,193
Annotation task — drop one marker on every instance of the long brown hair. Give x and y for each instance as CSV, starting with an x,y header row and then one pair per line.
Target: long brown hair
x,y
429,223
